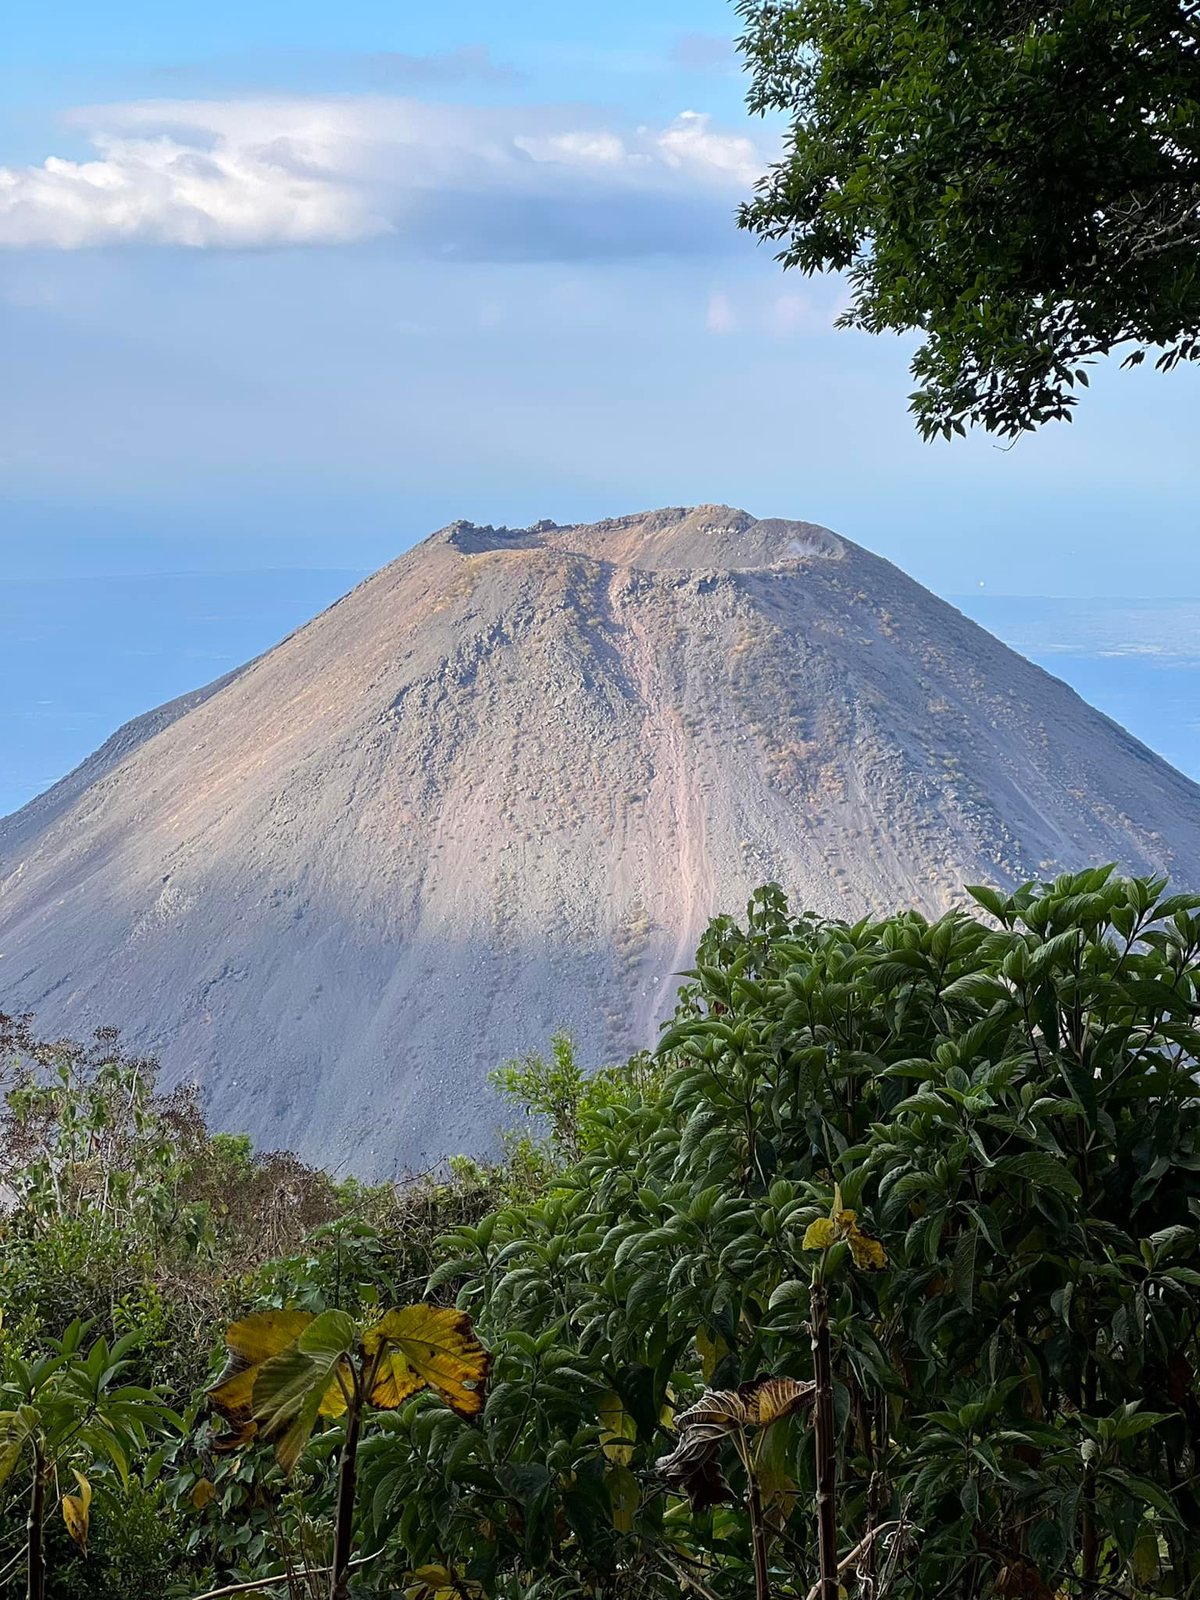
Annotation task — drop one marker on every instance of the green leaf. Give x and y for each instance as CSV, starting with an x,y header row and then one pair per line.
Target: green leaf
x,y
1042,1170
1149,1493
290,1386
978,987
1047,1546
963,1270
990,899
1139,1422
1145,1553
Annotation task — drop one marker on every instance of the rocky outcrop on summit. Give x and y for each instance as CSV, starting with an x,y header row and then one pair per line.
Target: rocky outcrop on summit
x,y
501,787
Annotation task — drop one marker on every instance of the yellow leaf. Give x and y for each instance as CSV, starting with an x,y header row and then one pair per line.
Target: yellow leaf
x,y
437,1583
427,1345
333,1401
250,1342
772,1398
395,1380
75,1508
204,1493
619,1429
293,1387
16,1429
623,1497
710,1351
867,1252
820,1234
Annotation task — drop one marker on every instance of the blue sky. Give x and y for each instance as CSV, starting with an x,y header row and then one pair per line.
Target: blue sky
x,y
294,284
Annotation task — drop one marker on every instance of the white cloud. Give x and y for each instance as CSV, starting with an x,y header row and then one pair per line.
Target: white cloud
x,y
294,170
720,318
585,149
158,191
796,314
691,144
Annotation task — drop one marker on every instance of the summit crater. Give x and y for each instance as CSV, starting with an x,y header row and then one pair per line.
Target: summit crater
x,y
674,538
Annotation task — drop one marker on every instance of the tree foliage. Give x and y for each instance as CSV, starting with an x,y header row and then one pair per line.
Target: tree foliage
x,y
1020,183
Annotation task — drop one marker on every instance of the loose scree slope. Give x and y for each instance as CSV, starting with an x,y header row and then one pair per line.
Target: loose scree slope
x,y
501,787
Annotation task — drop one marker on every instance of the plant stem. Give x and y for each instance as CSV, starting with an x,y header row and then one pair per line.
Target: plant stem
x,y
758,1533
347,1484
35,1549
826,1446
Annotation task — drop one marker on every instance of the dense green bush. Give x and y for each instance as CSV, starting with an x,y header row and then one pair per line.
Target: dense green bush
x,y
1010,1104
131,1217
1006,1103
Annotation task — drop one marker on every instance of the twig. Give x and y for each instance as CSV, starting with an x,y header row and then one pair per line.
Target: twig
x,y
844,1564
280,1577
684,1576
893,1555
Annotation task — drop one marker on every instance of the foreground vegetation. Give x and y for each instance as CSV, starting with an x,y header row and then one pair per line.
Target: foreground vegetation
x,y
882,1274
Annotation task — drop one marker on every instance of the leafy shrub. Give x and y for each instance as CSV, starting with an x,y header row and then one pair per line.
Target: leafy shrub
x,y
563,1099
134,1550
125,1213
961,1157
1010,1107
71,1424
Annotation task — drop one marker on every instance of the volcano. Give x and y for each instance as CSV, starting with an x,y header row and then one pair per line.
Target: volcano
x,y
501,787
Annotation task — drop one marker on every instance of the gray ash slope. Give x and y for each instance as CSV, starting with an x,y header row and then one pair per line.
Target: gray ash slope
x,y
503,784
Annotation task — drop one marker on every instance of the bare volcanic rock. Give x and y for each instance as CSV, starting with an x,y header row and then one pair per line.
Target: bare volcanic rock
x,y
502,786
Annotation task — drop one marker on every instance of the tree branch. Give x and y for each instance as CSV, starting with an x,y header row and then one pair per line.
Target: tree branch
x,y
281,1577
844,1565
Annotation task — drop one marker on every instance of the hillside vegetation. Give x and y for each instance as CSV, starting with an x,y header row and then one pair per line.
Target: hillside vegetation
x,y
882,1275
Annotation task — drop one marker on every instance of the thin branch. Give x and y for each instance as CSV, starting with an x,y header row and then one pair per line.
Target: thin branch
x,y
282,1577
688,1578
844,1565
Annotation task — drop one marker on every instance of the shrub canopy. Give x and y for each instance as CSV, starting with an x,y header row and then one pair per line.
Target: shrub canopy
x,y
982,1134
1009,1106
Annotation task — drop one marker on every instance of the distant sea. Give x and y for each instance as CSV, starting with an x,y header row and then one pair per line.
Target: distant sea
x,y
79,657
1138,661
